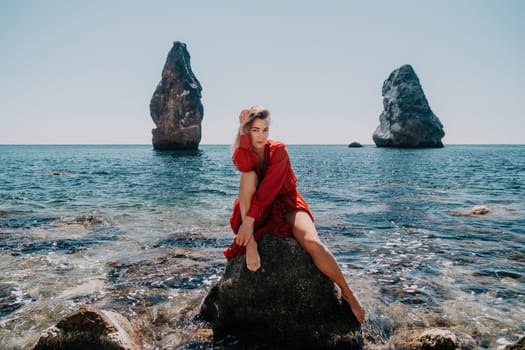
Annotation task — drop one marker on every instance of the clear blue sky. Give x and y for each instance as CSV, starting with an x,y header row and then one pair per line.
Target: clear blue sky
x,y
85,71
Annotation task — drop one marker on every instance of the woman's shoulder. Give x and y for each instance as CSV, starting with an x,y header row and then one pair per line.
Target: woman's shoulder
x,y
274,144
277,149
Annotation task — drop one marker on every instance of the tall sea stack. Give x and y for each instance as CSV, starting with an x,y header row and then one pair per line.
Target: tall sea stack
x,y
407,120
176,107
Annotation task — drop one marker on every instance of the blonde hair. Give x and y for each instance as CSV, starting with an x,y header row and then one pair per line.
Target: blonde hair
x,y
255,112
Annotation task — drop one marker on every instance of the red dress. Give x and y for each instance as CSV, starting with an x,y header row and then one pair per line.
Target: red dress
x,y
276,193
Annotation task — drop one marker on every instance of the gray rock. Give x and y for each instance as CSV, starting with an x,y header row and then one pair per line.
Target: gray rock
x,y
355,144
441,339
431,339
176,107
519,345
478,210
90,328
407,120
288,302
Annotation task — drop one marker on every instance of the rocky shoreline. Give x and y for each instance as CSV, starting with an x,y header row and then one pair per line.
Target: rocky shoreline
x,y
103,329
287,322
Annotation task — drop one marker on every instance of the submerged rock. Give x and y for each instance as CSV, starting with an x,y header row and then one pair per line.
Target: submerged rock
x,y
407,120
288,302
176,106
88,220
476,210
90,328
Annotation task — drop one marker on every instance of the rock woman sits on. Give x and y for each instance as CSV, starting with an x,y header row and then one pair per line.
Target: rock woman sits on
x,y
269,202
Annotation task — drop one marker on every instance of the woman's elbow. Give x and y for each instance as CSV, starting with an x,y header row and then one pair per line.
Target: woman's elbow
x,y
243,168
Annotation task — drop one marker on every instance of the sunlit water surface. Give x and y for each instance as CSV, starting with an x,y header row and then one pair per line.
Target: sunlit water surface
x,y
141,232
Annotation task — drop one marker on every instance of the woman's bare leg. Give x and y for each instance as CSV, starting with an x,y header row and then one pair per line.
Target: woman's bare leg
x,y
306,235
247,188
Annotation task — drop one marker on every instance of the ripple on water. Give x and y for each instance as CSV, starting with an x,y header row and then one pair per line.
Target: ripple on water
x,y
44,235
25,222
386,212
17,245
192,240
11,298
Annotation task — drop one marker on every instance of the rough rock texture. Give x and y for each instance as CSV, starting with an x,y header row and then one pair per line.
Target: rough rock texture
x,y
90,328
476,210
519,345
176,106
438,339
407,120
479,210
287,302
432,339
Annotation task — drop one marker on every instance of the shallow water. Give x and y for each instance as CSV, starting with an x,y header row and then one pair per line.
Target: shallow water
x,y
139,231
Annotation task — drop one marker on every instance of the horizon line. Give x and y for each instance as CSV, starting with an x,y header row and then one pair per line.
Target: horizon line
x,y
228,144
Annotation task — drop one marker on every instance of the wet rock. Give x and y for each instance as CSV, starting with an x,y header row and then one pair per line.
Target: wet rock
x,y
90,328
438,339
355,144
478,210
176,107
432,339
288,302
88,220
474,211
407,120
519,345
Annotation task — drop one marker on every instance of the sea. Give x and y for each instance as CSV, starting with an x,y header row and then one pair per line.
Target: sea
x,y
141,232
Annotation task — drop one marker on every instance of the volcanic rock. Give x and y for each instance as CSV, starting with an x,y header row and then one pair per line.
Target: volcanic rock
x,y
431,339
519,345
90,328
287,303
479,210
407,120
476,210
176,106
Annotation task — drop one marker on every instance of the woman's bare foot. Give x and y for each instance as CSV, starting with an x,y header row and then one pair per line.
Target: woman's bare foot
x,y
253,261
357,309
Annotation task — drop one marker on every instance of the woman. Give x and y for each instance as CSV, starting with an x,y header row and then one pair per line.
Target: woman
x,y
269,202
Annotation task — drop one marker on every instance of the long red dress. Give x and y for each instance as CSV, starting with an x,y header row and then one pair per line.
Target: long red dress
x,y
276,193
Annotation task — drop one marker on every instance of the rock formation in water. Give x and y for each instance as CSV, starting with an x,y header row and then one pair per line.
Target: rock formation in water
x,y
407,120
355,145
287,302
90,328
176,106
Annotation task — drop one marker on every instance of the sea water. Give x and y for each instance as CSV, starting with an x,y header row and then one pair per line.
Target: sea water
x,y
141,232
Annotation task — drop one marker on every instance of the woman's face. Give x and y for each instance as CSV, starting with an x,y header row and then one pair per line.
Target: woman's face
x,y
259,133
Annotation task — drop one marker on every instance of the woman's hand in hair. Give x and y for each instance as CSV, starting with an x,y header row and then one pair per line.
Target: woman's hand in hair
x,y
243,118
